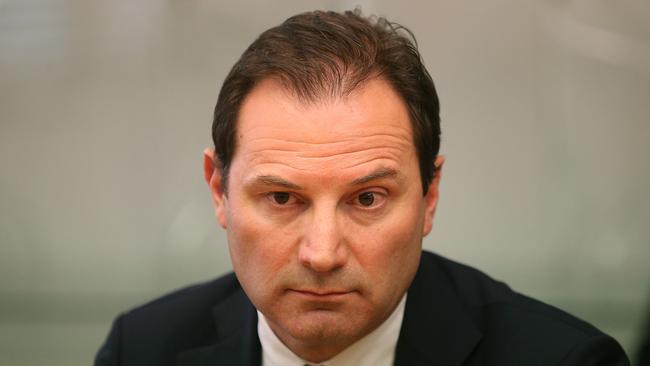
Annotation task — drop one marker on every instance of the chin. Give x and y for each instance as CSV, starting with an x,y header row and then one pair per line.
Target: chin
x,y
324,327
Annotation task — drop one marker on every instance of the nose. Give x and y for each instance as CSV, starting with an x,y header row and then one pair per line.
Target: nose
x,y
322,248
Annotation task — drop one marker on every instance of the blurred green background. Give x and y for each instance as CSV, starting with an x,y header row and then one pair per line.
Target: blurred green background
x,y
105,108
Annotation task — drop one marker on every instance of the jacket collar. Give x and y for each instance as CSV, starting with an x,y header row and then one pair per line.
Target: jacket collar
x,y
236,331
436,330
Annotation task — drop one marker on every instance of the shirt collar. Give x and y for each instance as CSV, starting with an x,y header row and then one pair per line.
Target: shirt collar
x,y
375,349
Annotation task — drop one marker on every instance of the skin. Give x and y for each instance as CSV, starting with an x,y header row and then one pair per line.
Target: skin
x,y
324,212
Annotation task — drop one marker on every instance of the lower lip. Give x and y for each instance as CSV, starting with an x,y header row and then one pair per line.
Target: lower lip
x,y
321,297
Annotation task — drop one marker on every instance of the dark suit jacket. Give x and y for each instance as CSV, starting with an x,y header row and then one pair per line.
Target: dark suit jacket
x,y
455,315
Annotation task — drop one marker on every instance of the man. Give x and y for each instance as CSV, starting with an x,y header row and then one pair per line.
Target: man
x,y
325,176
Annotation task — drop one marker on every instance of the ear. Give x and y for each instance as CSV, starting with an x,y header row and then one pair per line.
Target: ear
x,y
213,178
431,198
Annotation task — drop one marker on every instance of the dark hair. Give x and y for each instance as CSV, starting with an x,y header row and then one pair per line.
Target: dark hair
x,y
327,54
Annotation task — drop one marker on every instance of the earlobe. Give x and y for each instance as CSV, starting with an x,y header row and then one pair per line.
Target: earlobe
x,y
432,196
213,178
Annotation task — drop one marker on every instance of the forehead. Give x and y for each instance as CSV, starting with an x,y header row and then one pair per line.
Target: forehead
x,y
369,125
270,108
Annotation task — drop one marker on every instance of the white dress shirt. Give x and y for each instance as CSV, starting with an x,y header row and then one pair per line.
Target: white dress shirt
x,y
375,349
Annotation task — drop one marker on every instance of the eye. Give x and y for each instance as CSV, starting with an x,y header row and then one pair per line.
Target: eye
x,y
366,199
280,198
369,199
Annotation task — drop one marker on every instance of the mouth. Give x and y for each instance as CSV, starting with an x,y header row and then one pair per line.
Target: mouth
x,y
320,294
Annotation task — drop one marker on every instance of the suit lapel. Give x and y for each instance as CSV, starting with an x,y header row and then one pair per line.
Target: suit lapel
x,y
237,340
435,329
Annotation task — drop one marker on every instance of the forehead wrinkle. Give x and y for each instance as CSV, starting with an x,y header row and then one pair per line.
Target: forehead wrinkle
x,y
280,134
343,155
307,163
385,162
336,140
300,149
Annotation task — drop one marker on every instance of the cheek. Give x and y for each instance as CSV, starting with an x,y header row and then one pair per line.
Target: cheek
x,y
390,251
258,249
400,229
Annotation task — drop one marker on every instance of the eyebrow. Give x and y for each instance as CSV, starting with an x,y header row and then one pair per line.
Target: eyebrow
x,y
379,173
274,180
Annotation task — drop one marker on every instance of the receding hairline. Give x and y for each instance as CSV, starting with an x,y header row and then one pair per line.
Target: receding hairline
x,y
322,96
326,93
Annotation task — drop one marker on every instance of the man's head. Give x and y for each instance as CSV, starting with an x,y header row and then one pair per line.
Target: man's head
x,y
326,132
326,55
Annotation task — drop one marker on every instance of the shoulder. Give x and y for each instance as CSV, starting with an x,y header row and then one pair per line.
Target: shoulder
x,y
515,326
157,330
195,301
485,298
